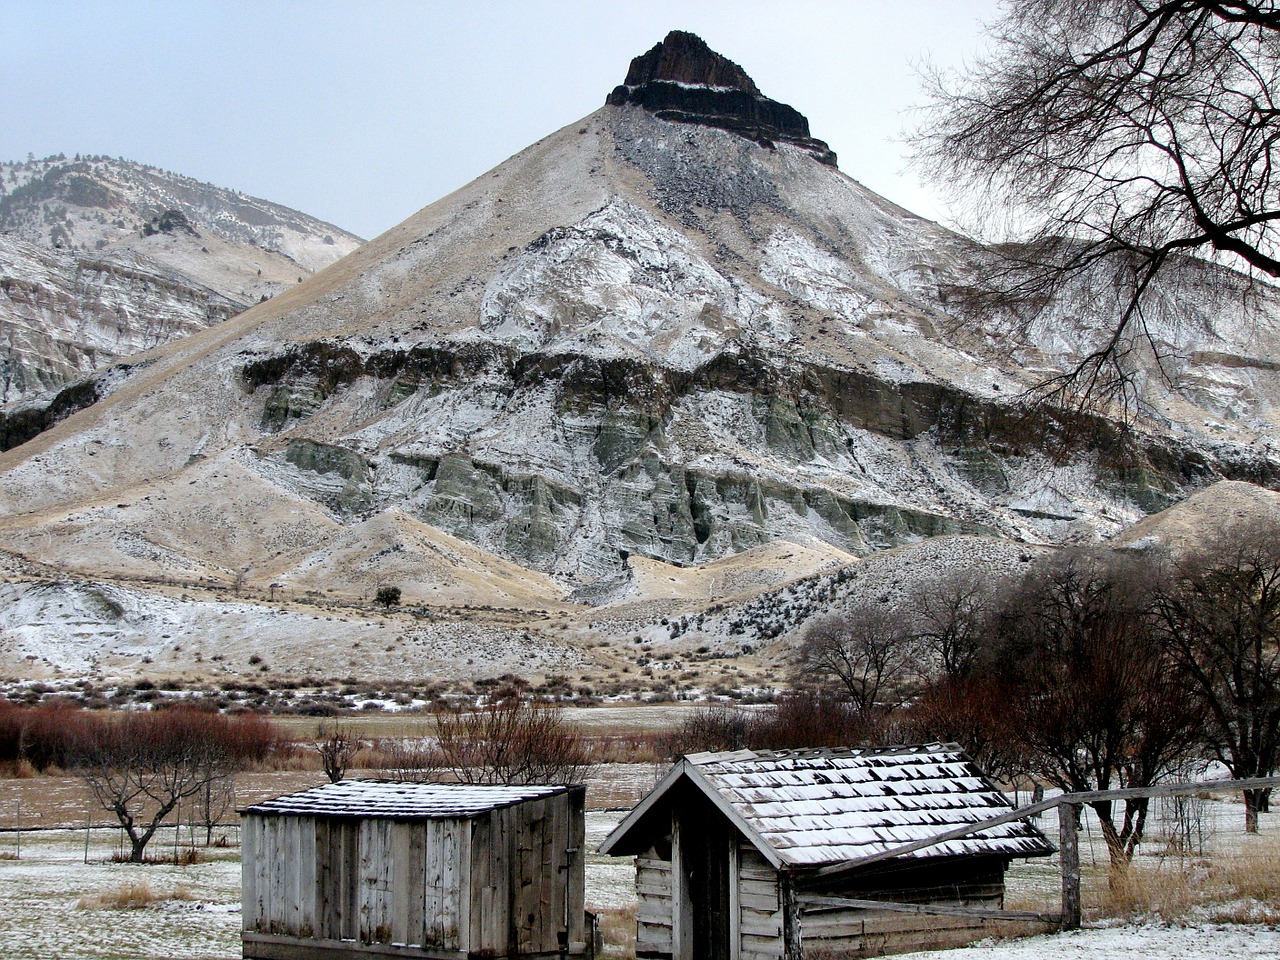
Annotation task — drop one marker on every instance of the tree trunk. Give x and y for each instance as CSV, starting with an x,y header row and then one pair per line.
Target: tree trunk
x,y
1115,843
1252,804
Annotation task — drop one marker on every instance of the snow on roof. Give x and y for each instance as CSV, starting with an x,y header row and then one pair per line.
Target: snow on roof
x,y
375,798
805,808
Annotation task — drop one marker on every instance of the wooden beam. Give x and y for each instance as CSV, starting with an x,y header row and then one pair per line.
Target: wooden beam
x,y
792,944
1172,790
954,834
1069,853
942,909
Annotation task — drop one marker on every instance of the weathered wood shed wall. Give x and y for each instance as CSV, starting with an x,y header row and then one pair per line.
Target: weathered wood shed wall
x,y
728,846
350,869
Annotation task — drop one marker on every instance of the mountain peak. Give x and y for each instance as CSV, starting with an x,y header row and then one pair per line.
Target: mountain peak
x,y
683,80
685,58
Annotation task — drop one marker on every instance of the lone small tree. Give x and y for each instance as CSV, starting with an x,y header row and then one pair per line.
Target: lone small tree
x,y
337,745
388,596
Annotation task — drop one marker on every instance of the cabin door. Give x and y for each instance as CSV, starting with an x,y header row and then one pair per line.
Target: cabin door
x,y
705,842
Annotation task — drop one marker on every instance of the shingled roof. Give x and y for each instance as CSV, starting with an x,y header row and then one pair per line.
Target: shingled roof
x,y
400,801
813,808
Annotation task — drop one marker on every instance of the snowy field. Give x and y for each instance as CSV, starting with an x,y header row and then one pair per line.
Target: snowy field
x,y
40,919
1198,942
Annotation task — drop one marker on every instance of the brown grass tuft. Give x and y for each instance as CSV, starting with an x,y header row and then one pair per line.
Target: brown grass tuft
x,y
618,931
130,896
1228,889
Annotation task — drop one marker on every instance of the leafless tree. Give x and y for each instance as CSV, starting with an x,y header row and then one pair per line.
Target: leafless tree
x,y
140,766
337,745
1096,702
1221,616
1116,137
511,741
954,619
870,653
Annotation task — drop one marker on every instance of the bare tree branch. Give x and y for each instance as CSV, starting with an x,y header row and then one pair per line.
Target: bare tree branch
x,y
1113,139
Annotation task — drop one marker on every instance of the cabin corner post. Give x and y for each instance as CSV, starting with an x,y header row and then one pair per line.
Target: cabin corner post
x,y
1069,852
792,947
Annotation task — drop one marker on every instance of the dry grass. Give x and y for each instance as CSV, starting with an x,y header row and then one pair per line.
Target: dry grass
x,y
1242,888
130,896
618,931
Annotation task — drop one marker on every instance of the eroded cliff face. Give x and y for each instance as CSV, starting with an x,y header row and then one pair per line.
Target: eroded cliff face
x,y
64,315
639,337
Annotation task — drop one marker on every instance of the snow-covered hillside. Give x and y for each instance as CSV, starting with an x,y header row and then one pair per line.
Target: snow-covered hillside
x,y
102,258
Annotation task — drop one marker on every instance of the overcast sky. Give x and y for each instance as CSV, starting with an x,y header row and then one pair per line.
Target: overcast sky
x,y
362,112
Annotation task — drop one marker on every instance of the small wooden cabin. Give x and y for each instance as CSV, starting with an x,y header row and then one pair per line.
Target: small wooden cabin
x,y
359,868
729,847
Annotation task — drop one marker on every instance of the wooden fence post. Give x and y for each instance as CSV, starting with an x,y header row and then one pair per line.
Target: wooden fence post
x,y
1069,854
792,945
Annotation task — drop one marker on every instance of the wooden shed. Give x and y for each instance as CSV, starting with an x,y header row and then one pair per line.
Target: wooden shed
x,y
361,868
737,852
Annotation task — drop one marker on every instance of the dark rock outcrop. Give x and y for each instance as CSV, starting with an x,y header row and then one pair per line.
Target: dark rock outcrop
x,y
170,221
683,80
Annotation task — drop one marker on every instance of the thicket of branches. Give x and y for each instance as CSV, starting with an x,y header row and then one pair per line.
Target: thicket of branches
x,y
141,766
509,740
1098,669
1112,138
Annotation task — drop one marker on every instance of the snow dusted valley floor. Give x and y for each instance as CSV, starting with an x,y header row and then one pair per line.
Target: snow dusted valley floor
x,y
59,897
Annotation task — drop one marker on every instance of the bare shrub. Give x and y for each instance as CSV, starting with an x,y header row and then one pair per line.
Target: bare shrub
x,y
618,931
409,758
511,741
812,718
337,746
797,719
974,712
709,729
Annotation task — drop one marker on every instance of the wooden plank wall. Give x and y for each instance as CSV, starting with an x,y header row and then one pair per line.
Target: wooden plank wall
x,y
575,831
278,875
504,884
841,932
337,885
653,910
525,884
760,906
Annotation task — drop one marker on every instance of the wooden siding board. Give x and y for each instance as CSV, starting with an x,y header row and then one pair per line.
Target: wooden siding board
x,y
466,859
250,857
406,886
653,911
308,917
